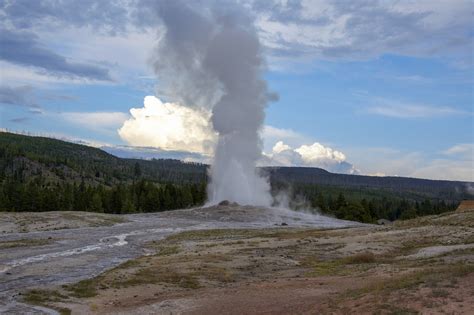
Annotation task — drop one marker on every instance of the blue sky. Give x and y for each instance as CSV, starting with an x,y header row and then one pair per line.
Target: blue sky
x,y
371,88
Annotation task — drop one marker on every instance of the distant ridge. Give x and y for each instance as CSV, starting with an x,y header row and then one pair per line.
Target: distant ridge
x,y
64,161
444,189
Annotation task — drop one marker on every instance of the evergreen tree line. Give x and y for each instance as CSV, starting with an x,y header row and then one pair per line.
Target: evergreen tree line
x,y
145,196
371,210
140,196
344,204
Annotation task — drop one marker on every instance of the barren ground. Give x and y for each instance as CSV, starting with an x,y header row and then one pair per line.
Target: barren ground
x,y
424,265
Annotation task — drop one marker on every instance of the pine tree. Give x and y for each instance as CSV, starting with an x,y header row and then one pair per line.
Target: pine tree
x,y
96,203
137,170
321,203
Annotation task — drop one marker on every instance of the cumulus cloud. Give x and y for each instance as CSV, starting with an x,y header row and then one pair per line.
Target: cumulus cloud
x,y
286,147
271,135
314,155
280,147
169,126
316,151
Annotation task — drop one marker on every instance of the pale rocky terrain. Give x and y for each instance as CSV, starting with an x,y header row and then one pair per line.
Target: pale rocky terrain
x,y
24,222
243,260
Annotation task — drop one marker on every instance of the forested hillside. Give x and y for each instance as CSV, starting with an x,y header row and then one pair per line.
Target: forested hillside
x,y
413,187
43,174
58,161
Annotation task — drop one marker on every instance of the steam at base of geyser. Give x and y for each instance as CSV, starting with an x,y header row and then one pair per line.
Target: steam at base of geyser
x,y
237,183
213,58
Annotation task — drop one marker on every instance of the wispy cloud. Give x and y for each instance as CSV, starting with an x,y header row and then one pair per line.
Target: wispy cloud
x,y
395,162
23,48
19,120
338,31
102,122
462,149
280,133
410,110
414,78
446,169
103,16
18,96
290,30
408,78
137,152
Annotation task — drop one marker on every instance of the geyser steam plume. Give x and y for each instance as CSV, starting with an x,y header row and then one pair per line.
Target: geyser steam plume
x,y
212,58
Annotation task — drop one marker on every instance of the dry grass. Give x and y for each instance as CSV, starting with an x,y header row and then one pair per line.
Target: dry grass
x,y
430,276
25,243
361,258
84,289
154,276
448,218
45,298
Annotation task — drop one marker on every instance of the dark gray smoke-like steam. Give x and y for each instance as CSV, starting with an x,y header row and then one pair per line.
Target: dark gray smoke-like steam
x,y
212,58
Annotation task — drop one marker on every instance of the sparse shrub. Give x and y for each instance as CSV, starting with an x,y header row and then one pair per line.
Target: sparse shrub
x,y
439,293
361,258
83,289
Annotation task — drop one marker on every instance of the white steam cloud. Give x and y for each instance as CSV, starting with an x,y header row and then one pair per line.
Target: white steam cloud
x,y
212,59
470,189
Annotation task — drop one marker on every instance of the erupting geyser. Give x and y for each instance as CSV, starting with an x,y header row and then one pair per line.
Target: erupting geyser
x,y
214,60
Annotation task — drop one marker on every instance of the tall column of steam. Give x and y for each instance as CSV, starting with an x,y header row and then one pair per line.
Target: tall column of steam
x,y
213,58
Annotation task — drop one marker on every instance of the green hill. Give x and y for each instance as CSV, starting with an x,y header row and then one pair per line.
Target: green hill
x,y
59,161
43,174
411,188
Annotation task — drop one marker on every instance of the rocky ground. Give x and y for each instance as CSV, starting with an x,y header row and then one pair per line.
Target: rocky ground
x,y
21,222
244,260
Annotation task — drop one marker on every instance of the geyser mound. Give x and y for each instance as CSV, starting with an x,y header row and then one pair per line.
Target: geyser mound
x,y
225,203
232,215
